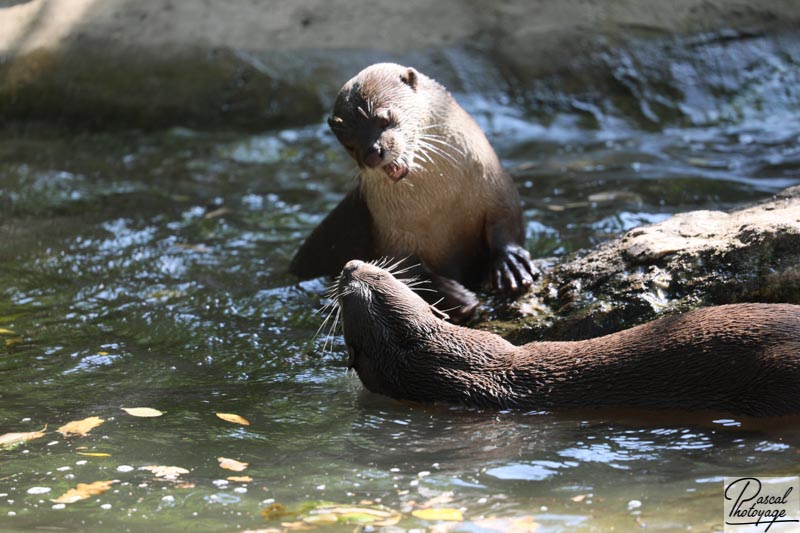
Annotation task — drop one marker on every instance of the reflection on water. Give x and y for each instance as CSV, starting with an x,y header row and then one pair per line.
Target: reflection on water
x,y
149,270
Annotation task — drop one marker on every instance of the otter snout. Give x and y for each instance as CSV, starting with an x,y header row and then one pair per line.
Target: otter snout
x,y
347,274
351,267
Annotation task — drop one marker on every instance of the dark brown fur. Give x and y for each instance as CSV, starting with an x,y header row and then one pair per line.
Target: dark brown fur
x,y
743,359
430,188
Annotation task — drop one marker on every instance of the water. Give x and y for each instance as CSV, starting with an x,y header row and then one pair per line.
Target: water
x,y
148,270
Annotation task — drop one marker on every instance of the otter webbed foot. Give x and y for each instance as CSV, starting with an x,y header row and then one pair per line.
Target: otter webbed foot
x,y
513,272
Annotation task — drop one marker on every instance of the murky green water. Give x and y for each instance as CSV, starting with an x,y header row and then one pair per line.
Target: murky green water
x,y
149,270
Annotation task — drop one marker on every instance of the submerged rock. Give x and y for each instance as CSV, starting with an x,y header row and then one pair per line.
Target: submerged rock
x,y
690,260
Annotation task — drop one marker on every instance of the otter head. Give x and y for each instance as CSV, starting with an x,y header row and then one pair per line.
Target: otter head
x,y
378,117
381,317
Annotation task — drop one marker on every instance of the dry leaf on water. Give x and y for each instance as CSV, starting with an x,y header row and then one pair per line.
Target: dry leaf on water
x,y
522,524
236,419
142,412
95,454
239,479
80,427
439,514
231,464
83,491
167,472
9,440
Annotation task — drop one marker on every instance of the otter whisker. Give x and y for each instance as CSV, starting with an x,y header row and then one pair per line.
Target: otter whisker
x,y
329,338
441,143
443,151
396,264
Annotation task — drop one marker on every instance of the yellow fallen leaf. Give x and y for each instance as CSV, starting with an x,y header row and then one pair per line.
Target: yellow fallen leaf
x,y
236,419
80,427
9,440
83,491
4,331
167,472
523,524
95,454
378,517
438,514
297,526
144,412
579,498
102,353
239,479
321,519
231,464
13,340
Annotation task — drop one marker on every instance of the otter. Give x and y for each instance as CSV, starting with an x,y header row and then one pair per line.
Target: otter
x,y
431,191
742,359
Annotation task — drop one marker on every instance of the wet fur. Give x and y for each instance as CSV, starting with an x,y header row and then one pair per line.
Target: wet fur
x,y
743,359
456,212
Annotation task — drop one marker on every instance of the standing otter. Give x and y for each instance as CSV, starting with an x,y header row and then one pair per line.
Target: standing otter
x,y
743,359
430,189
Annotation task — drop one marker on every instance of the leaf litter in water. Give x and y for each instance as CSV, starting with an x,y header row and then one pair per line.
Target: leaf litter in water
x,y
321,513
239,479
143,412
521,524
231,464
236,419
95,454
11,440
80,427
83,491
452,515
166,472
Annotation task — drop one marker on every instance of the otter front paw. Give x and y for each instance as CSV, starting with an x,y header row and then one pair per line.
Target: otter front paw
x,y
513,272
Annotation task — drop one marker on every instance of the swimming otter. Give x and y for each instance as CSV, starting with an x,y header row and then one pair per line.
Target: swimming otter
x,y
430,189
743,359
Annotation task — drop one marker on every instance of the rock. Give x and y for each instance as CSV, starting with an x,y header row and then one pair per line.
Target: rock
x,y
261,64
693,259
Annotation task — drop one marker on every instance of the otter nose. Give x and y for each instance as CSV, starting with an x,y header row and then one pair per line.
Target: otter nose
x,y
373,157
351,267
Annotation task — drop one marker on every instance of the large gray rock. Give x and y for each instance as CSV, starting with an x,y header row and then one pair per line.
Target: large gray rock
x,y
693,259
261,64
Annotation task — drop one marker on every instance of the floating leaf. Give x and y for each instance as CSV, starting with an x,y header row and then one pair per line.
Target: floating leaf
x,y
374,516
13,340
296,526
275,511
95,454
523,524
80,427
236,419
83,491
10,440
579,498
439,514
240,479
321,519
143,412
4,331
231,464
167,472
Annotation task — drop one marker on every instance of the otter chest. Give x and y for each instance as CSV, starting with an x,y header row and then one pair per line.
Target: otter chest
x,y
436,223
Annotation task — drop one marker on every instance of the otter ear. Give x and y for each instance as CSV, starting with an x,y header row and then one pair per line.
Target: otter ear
x,y
409,77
